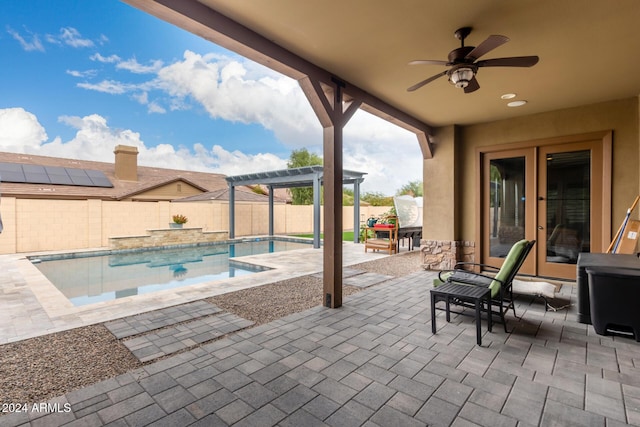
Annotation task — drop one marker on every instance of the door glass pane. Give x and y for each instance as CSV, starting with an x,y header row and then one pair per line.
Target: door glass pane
x,y
568,203
506,207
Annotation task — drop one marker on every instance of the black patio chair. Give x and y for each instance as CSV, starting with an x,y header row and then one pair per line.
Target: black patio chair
x,y
500,283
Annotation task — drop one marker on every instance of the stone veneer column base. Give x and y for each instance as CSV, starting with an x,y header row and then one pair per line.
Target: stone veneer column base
x,y
444,254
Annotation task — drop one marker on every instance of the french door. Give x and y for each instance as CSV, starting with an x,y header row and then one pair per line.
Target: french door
x,y
506,206
552,193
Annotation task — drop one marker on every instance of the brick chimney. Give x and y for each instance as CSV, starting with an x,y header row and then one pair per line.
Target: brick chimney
x,y
126,162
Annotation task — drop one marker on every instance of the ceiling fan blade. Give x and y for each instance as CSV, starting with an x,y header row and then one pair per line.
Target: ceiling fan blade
x,y
424,82
515,61
487,46
472,86
428,62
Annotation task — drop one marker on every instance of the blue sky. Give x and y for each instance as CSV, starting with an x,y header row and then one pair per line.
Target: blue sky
x,y
78,78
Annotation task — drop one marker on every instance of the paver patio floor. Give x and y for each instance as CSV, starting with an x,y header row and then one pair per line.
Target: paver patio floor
x,y
374,362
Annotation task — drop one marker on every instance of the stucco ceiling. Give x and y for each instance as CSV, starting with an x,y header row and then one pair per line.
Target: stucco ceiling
x,y
589,50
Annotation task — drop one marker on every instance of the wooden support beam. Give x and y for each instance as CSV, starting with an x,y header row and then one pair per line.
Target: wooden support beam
x,y
332,256
333,114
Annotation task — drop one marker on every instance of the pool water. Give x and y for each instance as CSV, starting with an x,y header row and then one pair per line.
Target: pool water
x,y
90,279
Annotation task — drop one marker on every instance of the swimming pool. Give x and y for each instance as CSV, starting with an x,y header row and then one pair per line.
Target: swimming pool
x,y
88,278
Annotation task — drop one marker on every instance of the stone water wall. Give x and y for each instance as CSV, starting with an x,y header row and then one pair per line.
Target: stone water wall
x,y
168,237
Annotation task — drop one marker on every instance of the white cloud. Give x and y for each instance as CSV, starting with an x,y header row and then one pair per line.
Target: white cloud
x,y
153,107
105,59
108,86
70,36
142,98
249,93
237,163
135,67
20,129
240,92
226,89
81,74
389,162
28,45
221,86
389,155
20,132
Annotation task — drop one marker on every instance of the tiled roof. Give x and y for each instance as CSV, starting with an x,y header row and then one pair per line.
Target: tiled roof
x,y
148,178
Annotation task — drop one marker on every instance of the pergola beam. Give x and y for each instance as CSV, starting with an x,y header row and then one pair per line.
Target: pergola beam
x,y
306,176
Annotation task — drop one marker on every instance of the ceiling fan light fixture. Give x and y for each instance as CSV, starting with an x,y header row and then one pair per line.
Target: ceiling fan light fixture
x,y
460,77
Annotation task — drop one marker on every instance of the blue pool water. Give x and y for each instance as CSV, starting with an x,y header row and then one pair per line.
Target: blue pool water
x,y
87,279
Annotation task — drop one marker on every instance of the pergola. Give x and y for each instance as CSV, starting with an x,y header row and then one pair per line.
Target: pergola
x,y
307,176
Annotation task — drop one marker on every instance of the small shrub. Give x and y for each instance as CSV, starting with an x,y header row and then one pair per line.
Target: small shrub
x,y
180,219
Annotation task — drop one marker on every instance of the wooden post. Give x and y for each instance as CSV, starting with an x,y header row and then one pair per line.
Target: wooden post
x,y
327,101
332,266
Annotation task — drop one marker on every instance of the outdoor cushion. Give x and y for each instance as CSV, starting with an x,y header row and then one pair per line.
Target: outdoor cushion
x,y
507,266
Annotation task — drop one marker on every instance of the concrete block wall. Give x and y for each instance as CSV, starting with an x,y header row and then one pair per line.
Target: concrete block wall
x,y
32,225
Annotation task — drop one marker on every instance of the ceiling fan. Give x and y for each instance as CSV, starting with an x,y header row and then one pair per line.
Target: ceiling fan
x,y
464,62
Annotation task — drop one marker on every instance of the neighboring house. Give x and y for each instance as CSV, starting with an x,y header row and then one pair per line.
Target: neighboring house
x,y
122,180
129,182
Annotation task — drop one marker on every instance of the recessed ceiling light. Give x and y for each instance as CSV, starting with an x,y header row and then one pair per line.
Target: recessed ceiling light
x,y
516,103
508,96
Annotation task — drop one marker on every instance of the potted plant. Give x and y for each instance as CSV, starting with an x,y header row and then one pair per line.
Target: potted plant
x,y
178,221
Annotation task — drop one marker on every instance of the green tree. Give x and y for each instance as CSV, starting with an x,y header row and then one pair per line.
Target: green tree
x,y
413,188
348,198
298,159
377,199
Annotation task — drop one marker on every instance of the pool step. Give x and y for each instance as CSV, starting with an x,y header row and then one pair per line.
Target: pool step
x,y
157,319
152,335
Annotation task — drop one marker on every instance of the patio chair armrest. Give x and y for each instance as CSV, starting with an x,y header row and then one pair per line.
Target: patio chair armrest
x,y
441,272
485,266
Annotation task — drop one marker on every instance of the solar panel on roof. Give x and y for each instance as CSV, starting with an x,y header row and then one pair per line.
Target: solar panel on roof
x,y
11,172
60,179
37,174
75,172
98,178
58,175
39,178
33,169
82,181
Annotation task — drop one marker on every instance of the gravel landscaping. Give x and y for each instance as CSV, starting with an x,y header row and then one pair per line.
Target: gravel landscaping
x,y
41,368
